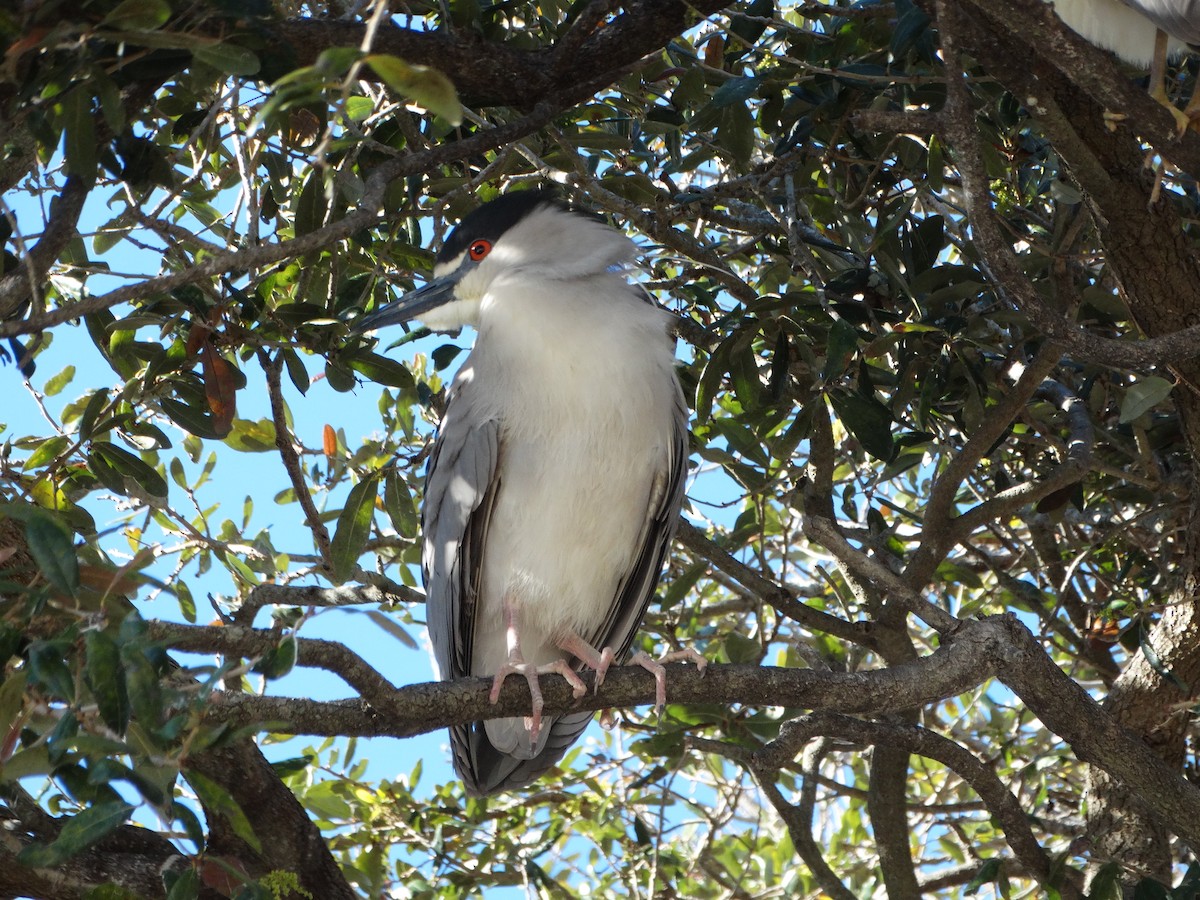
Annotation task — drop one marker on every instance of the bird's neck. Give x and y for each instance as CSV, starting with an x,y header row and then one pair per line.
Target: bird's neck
x,y
558,342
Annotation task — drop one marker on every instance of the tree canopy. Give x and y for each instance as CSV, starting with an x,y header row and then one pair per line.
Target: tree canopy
x,y
937,289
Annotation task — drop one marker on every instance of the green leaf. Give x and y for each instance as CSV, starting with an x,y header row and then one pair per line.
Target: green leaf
x,y
311,204
286,767
1143,397
186,885
986,875
79,133
12,698
392,627
91,412
187,604
382,370
741,649
46,451
735,133
217,800
138,15
842,344
868,420
58,382
359,108
337,61
135,477
353,527
279,660
296,370
735,90
252,436
444,355
190,418
79,833
143,687
228,58
106,676
743,370
426,86
399,505
1149,889
53,548
1106,885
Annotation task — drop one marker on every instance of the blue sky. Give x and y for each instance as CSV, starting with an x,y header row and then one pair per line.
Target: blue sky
x,y
259,476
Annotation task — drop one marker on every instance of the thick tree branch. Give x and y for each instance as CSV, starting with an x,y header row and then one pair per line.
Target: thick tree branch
x,y
1036,28
289,840
995,246
998,646
962,663
24,282
488,73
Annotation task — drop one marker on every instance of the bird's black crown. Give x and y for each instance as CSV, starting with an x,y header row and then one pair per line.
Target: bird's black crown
x,y
493,219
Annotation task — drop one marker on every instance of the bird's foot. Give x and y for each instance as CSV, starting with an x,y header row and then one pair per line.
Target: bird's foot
x,y
655,668
1184,118
533,722
600,660
606,659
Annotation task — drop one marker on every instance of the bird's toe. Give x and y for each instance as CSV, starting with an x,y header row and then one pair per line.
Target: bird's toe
x,y
606,660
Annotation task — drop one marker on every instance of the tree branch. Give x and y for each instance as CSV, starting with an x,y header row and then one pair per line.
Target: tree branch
x,y
251,258
1001,804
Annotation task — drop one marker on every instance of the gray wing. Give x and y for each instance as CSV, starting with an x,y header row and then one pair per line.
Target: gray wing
x,y
662,517
460,487
1178,18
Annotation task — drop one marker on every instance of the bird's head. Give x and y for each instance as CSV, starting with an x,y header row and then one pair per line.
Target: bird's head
x,y
525,235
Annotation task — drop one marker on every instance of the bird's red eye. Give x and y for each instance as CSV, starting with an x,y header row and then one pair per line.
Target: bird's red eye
x,y
479,250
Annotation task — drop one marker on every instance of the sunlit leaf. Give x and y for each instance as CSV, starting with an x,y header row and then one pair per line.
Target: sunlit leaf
x,y
1142,396
426,86
218,800
353,527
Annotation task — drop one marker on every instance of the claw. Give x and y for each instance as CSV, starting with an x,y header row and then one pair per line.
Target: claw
x,y
655,668
518,666
588,655
606,659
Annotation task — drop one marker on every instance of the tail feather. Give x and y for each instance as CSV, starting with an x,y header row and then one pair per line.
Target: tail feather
x,y
485,769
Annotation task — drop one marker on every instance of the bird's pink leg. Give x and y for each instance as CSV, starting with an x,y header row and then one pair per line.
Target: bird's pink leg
x,y
600,660
655,668
516,665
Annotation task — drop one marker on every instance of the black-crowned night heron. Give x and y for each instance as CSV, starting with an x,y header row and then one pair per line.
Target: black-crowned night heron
x,y
1141,32
557,474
